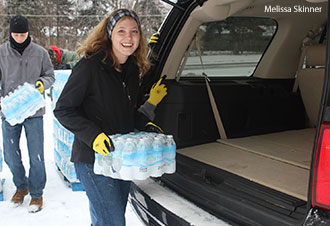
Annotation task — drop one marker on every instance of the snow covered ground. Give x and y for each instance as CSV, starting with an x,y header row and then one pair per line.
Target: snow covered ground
x,y
62,206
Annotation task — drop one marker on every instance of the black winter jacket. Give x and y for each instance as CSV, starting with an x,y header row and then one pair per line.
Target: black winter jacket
x,y
95,100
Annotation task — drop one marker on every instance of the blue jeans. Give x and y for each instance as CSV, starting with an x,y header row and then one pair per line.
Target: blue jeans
x,y
107,196
12,154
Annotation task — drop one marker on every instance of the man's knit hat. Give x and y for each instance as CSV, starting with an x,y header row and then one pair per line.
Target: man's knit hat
x,y
55,54
19,24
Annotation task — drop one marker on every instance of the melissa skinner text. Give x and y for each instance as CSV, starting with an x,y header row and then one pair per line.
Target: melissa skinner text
x,y
294,9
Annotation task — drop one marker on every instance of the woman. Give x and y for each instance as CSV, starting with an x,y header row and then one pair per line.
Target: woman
x,y
99,99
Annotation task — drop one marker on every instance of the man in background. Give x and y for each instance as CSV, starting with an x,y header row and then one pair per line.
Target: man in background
x,y
62,58
23,61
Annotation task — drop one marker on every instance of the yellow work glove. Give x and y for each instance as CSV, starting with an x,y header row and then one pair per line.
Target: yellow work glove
x,y
151,127
103,144
154,38
40,86
157,92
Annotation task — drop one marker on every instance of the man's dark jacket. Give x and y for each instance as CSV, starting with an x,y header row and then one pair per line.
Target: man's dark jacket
x,y
95,100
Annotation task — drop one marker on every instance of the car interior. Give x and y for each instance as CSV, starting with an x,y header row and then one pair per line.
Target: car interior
x,y
268,102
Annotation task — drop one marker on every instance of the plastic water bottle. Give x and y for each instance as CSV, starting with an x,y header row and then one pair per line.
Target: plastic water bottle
x,y
119,143
157,143
147,157
170,147
140,143
144,143
117,155
169,155
158,147
170,141
130,146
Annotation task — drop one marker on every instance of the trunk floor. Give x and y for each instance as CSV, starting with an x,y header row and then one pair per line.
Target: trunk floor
x,y
279,160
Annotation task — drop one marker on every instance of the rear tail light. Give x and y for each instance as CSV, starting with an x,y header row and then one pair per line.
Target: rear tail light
x,y
321,171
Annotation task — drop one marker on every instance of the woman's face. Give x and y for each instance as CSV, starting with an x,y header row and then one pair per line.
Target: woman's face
x,y
125,38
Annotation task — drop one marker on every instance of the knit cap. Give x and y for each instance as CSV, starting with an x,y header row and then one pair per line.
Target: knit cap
x,y
54,51
19,24
117,16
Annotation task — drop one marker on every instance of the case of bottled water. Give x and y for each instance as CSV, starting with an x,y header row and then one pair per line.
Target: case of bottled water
x,y
22,103
138,156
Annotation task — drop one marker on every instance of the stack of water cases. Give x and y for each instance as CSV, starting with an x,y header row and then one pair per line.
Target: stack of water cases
x,y
63,138
1,162
138,156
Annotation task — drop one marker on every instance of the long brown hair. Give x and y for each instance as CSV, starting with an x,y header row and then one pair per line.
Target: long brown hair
x,y
98,40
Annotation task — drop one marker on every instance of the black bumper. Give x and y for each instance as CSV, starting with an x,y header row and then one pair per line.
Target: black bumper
x,y
152,213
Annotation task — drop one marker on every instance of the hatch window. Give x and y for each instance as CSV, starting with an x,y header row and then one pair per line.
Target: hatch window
x,y
232,47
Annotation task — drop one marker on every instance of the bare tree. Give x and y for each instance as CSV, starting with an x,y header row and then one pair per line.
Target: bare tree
x,y
31,10
66,22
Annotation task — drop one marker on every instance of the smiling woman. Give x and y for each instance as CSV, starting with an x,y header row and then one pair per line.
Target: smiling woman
x,y
125,38
114,58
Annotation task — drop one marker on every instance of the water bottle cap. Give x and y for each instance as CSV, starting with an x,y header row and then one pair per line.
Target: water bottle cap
x,y
158,138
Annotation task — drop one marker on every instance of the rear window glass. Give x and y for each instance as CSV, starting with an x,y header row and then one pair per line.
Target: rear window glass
x,y
232,47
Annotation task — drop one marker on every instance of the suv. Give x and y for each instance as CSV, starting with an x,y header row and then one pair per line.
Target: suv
x,y
248,107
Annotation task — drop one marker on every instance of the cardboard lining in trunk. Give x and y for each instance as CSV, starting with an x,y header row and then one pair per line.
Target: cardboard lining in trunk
x,y
278,160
